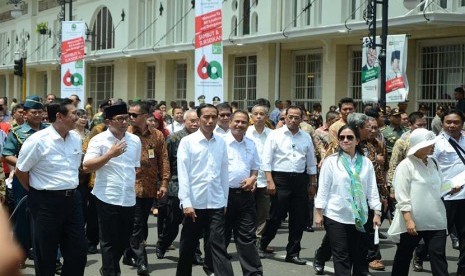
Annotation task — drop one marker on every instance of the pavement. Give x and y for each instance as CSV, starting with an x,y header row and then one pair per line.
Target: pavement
x,y
273,265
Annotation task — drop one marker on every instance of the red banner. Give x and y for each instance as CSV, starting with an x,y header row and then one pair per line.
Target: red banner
x,y
72,50
208,29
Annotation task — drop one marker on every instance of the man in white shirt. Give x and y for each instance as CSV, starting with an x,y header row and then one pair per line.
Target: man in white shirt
x,y
203,194
47,167
242,216
114,155
288,160
178,120
448,151
258,133
224,117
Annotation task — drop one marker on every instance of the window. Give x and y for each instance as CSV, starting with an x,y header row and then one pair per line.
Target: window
x,y
234,25
151,82
355,79
246,17
147,12
181,82
103,31
101,83
353,9
307,79
441,70
308,12
254,22
462,3
245,81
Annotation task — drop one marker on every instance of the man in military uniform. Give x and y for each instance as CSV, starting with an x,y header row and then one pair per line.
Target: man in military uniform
x,y
393,132
33,108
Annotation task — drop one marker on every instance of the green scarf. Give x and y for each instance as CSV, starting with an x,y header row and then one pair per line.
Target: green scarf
x,y
359,201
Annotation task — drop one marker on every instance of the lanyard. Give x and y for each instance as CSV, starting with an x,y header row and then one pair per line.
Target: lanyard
x,y
457,149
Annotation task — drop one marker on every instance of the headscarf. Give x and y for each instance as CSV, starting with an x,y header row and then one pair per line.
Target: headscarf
x,y
161,124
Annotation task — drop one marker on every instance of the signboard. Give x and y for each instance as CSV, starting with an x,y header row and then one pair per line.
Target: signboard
x,y
208,51
72,59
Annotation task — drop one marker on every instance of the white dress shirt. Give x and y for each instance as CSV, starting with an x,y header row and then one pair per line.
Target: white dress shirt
x,y
203,172
449,162
52,162
259,140
285,152
220,131
334,188
242,158
175,127
418,190
115,181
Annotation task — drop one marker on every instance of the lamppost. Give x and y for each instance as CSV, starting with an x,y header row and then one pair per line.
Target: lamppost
x,y
371,21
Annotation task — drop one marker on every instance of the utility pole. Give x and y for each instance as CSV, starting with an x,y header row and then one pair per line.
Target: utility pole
x,y
371,20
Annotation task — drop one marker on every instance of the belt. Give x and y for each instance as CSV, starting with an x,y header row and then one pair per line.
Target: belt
x,y
288,173
238,191
65,193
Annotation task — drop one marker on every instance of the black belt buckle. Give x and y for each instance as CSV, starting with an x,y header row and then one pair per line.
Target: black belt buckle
x,y
69,192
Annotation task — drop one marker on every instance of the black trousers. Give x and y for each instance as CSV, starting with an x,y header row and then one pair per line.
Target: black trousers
x,y
436,241
92,229
211,222
169,219
241,217
57,220
115,225
136,247
291,196
345,247
455,210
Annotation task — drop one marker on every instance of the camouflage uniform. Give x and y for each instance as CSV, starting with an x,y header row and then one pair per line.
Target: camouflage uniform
x,y
391,135
399,153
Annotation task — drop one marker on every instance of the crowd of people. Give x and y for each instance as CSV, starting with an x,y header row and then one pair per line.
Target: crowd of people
x,y
74,181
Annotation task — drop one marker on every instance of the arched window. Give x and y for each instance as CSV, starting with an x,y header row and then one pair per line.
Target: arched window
x,y
246,17
254,23
103,30
234,25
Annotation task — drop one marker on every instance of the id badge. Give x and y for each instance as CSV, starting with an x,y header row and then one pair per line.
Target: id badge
x,y
151,153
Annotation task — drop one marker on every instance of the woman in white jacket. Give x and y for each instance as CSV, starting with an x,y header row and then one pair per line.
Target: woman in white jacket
x,y
420,212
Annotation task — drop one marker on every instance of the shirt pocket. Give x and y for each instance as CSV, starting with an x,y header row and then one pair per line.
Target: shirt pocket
x,y
54,161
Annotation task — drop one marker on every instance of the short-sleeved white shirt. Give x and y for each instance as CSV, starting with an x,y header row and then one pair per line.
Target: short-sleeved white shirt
x,y
242,158
52,162
115,181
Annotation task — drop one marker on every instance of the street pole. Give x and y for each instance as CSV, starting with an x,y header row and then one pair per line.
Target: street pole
x,y
382,56
23,80
70,10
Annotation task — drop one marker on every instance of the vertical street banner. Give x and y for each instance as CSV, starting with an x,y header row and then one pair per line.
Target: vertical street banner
x,y
208,51
72,59
396,63
370,71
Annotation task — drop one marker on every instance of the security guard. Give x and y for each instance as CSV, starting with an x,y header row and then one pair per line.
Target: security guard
x,y
393,132
33,108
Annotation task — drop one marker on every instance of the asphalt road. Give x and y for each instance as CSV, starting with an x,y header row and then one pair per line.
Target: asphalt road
x,y
274,265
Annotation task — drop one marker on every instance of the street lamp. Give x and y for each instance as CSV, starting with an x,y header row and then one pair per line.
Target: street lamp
x,y
17,10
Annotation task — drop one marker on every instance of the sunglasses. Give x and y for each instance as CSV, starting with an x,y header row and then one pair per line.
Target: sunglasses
x,y
133,115
348,137
282,119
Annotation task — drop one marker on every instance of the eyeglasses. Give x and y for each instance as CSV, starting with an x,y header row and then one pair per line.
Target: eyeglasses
x,y
133,115
282,119
224,115
348,137
121,119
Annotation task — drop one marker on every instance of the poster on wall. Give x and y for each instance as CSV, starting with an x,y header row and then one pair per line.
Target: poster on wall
x,y
370,71
72,59
208,51
396,63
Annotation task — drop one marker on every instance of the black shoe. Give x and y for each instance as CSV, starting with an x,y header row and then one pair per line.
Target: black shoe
x,y
58,267
229,256
208,272
159,252
417,264
318,267
309,229
129,261
197,260
455,244
142,271
296,260
92,249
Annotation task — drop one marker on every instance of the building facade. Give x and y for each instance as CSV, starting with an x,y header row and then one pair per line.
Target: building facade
x,y
306,51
